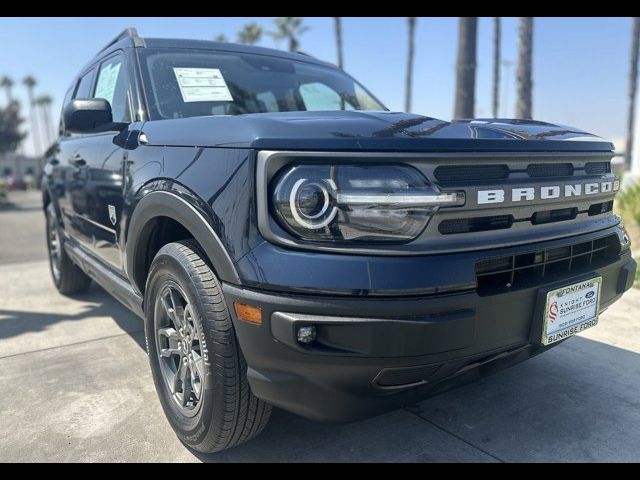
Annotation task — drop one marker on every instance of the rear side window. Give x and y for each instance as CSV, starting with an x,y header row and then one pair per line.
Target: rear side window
x,y
83,90
112,85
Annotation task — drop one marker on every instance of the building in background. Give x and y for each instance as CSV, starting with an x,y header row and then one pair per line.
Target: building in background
x,y
15,163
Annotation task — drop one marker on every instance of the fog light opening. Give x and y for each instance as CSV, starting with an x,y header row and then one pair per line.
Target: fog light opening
x,y
306,334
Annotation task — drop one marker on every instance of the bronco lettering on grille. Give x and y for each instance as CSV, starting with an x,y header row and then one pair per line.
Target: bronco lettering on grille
x,y
527,194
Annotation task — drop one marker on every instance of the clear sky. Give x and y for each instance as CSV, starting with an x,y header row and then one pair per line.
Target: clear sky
x,y
580,64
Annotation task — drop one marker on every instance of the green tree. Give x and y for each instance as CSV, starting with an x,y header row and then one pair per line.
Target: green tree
x,y
10,134
633,80
411,24
30,83
466,67
524,82
338,31
290,29
222,38
7,84
250,34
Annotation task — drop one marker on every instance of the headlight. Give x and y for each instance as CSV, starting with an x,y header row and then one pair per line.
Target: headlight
x,y
388,203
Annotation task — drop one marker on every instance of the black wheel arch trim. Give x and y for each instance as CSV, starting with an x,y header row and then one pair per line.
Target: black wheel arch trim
x,y
47,193
168,204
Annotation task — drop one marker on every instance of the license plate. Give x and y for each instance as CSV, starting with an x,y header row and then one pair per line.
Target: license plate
x,y
571,309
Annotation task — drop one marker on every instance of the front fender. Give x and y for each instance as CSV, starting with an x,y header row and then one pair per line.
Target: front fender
x,y
169,204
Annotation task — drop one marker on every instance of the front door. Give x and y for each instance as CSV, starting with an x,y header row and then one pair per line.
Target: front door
x,y
95,169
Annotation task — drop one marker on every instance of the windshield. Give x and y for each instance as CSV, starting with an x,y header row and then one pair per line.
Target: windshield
x,y
190,83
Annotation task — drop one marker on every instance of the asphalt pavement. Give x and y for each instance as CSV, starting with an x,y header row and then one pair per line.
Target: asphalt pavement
x,y
75,386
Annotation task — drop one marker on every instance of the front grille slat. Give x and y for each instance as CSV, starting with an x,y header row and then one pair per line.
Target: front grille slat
x,y
600,208
514,272
454,175
455,226
448,175
597,168
539,170
478,224
552,216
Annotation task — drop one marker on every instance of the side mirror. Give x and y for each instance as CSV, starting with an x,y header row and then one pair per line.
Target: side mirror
x,y
89,115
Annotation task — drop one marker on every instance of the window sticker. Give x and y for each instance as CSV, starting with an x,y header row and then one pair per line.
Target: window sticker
x,y
107,80
202,85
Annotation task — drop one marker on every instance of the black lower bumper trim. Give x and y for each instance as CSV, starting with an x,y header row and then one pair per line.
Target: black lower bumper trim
x,y
374,354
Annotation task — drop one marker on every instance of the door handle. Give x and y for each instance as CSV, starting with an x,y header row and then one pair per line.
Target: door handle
x,y
78,161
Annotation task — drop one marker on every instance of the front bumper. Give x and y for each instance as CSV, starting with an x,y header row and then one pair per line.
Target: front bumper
x,y
377,353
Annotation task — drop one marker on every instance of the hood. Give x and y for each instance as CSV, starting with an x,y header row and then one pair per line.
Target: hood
x,y
368,131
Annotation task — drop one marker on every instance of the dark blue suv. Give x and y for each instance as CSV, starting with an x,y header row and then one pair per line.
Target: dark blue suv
x,y
289,241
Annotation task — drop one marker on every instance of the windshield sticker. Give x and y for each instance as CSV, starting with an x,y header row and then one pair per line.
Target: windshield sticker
x,y
107,80
202,85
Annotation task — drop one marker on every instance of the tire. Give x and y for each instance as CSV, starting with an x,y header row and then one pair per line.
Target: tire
x,y
68,278
212,408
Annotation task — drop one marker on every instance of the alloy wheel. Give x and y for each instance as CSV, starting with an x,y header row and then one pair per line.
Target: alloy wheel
x,y
178,348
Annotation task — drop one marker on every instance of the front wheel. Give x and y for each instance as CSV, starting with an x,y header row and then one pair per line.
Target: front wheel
x,y
197,366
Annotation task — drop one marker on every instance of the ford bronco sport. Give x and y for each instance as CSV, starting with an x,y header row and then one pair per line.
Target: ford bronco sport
x,y
289,241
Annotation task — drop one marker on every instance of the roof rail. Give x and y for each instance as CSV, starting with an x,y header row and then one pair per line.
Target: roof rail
x,y
315,58
131,33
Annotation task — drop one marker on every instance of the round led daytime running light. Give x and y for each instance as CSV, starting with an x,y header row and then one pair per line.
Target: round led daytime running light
x,y
304,222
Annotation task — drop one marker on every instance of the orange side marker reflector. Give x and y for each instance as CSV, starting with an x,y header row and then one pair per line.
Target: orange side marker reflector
x,y
248,313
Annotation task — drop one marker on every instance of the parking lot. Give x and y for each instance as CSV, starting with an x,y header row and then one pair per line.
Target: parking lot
x,y
75,386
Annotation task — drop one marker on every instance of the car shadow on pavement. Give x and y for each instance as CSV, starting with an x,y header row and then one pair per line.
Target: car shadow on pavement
x,y
576,402
98,304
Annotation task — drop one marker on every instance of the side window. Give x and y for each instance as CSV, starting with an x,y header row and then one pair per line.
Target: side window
x,y
112,85
83,90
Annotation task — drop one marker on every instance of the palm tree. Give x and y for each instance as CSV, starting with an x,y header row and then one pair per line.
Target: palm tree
x,y
221,38
250,34
496,65
633,80
30,83
338,31
411,23
466,67
44,103
7,83
524,69
289,28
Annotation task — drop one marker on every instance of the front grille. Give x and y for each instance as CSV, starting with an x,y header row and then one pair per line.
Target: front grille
x,y
538,170
514,272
